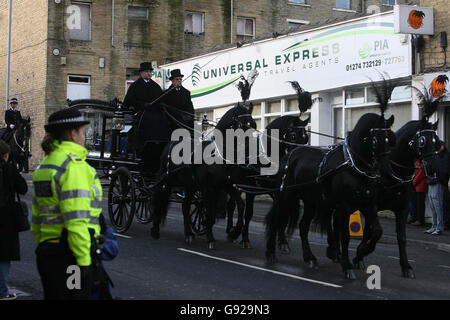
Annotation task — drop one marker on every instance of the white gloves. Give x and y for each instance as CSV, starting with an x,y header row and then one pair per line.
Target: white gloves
x,y
11,126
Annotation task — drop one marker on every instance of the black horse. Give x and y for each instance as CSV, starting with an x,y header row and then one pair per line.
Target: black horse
x,y
415,140
19,143
345,178
208,179
292,133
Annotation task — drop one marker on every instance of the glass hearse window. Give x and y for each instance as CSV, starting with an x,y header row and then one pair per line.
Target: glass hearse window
x,y
94,133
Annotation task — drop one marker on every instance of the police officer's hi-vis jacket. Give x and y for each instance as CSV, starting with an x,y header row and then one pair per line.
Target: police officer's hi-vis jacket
x,y
67,194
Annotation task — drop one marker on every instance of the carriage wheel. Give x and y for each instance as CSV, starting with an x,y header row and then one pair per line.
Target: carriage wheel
x,y
143,208
198,217
121,200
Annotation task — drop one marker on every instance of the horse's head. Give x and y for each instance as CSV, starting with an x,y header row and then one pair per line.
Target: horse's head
x,y
238,117
425,144
372,140
291,130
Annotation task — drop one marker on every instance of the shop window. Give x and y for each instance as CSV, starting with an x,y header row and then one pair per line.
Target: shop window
x,y
79,21
343,4
354,96
273,107
245,28
256,109
337,124
258,124
388,2
291,105
194,22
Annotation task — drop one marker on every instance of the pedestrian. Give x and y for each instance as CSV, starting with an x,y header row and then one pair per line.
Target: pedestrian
x,y
11,182
180,103
151,123
420,192
66,209
436,187
12,118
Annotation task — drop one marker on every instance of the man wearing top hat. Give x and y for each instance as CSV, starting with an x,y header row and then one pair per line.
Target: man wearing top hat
x,y
12,117
179,100
151,122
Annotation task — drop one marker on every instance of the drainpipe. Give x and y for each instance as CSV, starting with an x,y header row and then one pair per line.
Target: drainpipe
x,y
9,54
112,23
363,7
231,23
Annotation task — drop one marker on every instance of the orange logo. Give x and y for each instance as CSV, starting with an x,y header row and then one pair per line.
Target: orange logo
x,y
415,19
437,87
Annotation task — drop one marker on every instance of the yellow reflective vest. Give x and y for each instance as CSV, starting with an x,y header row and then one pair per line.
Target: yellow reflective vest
x,y
67,194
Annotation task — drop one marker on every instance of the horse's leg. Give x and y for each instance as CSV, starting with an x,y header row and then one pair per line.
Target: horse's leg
x,y
400,223
271,228
305,223
372,233
343,219
283,243
249,201
231,205
333,236
188,234
236,231
211,202
160,202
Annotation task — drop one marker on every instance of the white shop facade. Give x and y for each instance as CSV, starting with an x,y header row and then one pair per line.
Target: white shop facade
x,y
335,62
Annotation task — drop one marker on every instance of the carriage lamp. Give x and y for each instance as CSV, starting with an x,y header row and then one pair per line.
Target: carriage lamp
x,y
118,121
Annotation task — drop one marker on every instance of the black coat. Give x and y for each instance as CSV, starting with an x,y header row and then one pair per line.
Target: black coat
x,y
180,99
152,123
9,238
12,117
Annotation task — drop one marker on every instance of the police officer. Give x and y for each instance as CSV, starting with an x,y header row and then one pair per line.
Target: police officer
x,y
66,209
179,98
12,117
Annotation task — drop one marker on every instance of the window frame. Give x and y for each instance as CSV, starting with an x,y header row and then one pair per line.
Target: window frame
x,y
299,3
343,8
89,4
202,14
246,35
147,18
387,4
298,22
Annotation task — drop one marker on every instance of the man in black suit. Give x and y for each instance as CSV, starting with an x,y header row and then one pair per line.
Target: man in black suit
x,y
151,122
12,118
179,100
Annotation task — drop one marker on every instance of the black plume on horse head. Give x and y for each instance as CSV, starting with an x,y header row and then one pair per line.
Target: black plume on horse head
x,y
245,85
383,91
427,102
304,97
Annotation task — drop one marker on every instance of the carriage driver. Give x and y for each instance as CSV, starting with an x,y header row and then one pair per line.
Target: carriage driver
x,y
153,131
12,117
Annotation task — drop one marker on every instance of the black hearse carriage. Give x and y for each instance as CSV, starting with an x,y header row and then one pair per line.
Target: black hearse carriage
x,y
109,139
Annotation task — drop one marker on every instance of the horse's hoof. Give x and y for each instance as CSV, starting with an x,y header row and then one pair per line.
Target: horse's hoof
x,y
359,264
409,274
155,234
189,239
246,245
350,274
312,264
211,245
284,248
270,258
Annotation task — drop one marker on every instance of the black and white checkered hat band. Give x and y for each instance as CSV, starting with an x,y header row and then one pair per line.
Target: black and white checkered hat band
x,y
68,120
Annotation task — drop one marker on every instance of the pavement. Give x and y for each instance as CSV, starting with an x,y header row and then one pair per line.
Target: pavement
x,y
414,234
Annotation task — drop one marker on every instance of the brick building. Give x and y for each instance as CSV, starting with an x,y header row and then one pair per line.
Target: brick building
x,y
89,48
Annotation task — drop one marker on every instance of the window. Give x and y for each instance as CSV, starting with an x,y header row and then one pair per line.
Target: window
x,y
245,28
294,24
343,4
138,13
297,1
79,21
388,2
194,22
78,87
